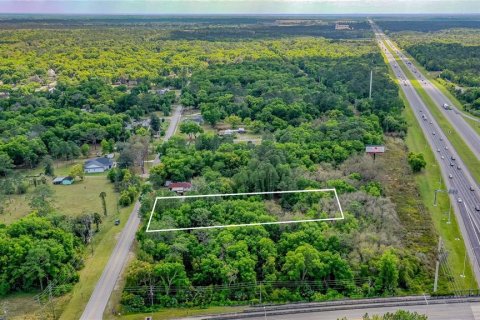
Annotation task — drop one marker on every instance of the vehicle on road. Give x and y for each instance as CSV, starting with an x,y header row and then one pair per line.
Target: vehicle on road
x,y
453,158
460,200
477,208
458,168
452,164
472,188
443,157
438,150
446,106
450,176
117,222
433,133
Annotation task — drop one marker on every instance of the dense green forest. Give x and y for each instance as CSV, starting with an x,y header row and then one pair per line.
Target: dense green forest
x,y
450,48
310,104
303,97
43,249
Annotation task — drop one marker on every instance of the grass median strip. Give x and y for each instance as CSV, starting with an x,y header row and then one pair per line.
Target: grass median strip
x,y
427,181
439,84
468,157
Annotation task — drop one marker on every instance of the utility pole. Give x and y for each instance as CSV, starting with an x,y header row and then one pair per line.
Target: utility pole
x,y
437,266
371,79
449,213
51,300
464,262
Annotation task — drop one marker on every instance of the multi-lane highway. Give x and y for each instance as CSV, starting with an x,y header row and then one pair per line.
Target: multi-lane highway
x,y
465,196
468,134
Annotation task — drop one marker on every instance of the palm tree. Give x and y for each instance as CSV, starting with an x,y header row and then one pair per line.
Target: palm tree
x,y
102,196
97,219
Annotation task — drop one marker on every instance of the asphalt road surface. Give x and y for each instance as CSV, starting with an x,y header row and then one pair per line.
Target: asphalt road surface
x,y
454,116
460,311
172,128
463,191
101,294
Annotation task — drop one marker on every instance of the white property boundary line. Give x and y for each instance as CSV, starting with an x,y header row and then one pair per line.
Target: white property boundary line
x,y
244,224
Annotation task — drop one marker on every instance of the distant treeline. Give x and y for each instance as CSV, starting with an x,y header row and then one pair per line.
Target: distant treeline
x,y
426,25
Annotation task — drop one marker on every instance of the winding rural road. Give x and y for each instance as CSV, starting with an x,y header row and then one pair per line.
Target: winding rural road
x,y
462,188
101,294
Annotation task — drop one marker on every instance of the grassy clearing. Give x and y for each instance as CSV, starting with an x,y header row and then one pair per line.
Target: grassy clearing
x,y
80,197
73,200
71,305
429,180
103,246
401,187
468,157
181,312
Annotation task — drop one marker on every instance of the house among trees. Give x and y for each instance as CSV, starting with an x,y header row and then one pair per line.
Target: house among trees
x,y
63,180
232,131
179,187
163,91
197,119
100,164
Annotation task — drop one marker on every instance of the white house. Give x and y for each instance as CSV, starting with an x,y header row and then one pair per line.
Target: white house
x,y
101,164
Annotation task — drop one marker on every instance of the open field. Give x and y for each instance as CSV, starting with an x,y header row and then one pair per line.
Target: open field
x,y
72,200
80,197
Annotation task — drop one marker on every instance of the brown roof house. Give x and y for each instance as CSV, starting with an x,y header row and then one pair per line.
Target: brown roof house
x,y
179,187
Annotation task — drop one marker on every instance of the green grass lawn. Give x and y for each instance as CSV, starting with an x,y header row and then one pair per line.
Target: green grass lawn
x,y
103,245
80,197
427,181
468,157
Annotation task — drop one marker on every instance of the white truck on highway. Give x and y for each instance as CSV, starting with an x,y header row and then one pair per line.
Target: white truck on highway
x,y
446,106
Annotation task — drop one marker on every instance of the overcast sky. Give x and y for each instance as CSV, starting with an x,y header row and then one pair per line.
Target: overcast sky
x,y
238,6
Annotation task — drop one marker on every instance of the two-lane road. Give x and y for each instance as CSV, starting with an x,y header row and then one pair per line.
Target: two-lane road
x,y
455,174
103,290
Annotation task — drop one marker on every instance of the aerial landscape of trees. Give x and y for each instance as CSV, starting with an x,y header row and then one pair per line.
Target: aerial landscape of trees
x,y
301,93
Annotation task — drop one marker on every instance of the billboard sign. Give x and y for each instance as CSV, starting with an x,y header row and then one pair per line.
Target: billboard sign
x,y
375,149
